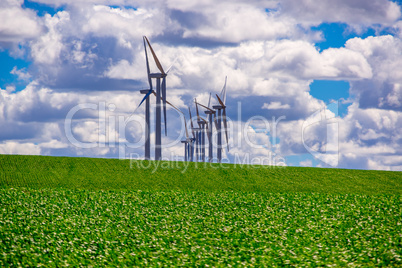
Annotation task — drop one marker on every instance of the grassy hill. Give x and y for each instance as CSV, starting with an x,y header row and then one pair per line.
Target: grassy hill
x,y
83,212
96,173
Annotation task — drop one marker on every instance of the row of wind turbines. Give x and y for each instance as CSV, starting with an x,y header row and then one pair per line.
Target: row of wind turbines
x,y
192,144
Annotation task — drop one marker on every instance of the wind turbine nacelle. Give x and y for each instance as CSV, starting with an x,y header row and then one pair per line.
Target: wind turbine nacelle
x,y
144,91
218,107
157,75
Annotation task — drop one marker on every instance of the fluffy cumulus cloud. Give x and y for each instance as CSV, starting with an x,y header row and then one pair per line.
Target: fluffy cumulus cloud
x,y
87,61
17,25
371,138
384,55
358,13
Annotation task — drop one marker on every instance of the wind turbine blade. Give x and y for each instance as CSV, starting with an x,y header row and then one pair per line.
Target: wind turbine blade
x,y
223,92
164,102
196,108
168,70
225,126
145,97
171,65
191,118
185,125
220,101
191,121
148,71
158,64
209,109
209,101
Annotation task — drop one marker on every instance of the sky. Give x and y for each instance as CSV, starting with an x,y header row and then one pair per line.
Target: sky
x,y
309,83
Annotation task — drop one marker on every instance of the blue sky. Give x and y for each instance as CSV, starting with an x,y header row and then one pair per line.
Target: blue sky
x,y
7,65
285,61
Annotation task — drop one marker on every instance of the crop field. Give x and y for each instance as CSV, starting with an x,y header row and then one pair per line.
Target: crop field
x,y
52,216
39,172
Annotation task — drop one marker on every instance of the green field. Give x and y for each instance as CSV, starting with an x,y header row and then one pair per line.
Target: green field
x,y
58,211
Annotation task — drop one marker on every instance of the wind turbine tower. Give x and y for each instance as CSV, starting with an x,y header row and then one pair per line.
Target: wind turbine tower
x,y
194,141
197,137
211,117
209,126
221,108
147,126
202,123
187,143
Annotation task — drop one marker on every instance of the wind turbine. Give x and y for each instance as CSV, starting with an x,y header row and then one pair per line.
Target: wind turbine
x,y
195,131
203,124
147,92
160,96
211,113
221,108
194,139
187,143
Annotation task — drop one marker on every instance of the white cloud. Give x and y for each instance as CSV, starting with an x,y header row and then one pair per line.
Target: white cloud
x,y
274,105
17,24
301,59
250,144
10,88
370,136
306,163
124,24
355,13
13,147
240,21
21,73
46,50
384,54
123,69
53,144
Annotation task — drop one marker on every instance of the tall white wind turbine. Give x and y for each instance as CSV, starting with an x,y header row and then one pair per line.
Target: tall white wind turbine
x,y
160,96
147,93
